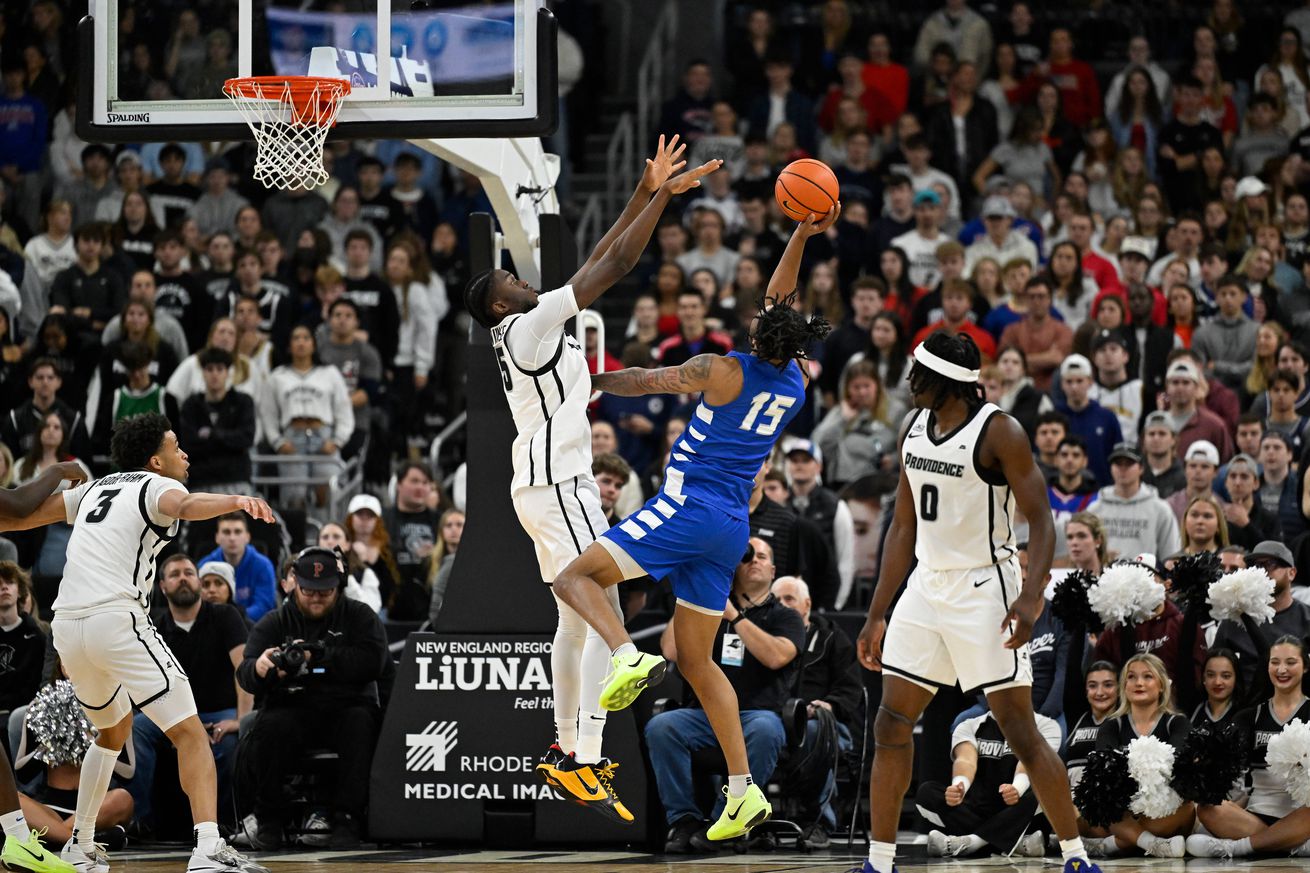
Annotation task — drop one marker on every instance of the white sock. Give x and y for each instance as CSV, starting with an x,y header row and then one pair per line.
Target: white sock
x,y
882,856
591,728
565,654
15,825
737,785
1242,847
972,843
1146,840
592,670
566,735
206,837
1110,846
1073,850
92,786
625,649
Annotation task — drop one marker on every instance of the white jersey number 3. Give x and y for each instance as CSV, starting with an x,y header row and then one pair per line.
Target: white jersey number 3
x,y
777,407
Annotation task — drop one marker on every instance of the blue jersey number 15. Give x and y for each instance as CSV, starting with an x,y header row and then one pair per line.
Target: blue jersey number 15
x,y
771,408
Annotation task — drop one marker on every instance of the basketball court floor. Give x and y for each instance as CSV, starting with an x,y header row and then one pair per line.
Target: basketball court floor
x,y
835,860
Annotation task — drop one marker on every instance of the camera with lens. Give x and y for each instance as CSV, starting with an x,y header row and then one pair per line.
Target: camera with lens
x,y
291,656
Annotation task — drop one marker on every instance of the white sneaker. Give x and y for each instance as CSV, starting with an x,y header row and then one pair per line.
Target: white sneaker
x,y
1101,847
224,859
1302,850
317,831
1174,847
1206,846
97,862
1032,846
244,837
942,846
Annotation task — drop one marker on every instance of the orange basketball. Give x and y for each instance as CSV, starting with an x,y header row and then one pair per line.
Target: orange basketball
x,y
806,186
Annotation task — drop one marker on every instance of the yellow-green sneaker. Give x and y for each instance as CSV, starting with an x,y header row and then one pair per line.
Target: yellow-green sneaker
x,y
29,854
629,675
740,814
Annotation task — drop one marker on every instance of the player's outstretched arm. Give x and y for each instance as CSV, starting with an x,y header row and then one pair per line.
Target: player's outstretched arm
x,y
1006,446
666,162
17,503
696,375
621,257
785,278
200,505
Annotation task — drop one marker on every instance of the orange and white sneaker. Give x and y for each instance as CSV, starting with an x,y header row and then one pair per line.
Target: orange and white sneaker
x,y
592,786
549,763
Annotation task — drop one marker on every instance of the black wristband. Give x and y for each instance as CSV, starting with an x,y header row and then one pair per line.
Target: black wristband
x,y
732,622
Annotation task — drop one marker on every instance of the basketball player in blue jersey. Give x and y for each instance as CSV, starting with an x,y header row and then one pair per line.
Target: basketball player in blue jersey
x,y
695,530
965,615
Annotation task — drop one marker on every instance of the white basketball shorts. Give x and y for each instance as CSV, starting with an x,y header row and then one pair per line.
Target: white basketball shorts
x,y
562,519
947,628
117,659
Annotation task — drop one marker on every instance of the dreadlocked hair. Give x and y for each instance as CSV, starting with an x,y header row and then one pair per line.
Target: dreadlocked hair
x,y
958,348
476,295
783,333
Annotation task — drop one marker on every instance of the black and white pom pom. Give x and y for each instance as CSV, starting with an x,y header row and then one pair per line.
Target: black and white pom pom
x,y
1288,757
1069,602
1208,764
1249,591
1190,581
1106,789
58,725
1151,765
1126,592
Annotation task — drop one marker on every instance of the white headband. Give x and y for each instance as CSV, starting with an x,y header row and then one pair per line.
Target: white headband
x,y
943,366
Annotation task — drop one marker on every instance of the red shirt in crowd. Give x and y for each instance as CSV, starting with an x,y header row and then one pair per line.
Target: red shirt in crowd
x,y
892,83
981,338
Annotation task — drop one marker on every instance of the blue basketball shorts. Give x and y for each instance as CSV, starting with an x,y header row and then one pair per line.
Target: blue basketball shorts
x,y
696,547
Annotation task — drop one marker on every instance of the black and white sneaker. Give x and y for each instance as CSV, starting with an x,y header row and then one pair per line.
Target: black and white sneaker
x,y
224,859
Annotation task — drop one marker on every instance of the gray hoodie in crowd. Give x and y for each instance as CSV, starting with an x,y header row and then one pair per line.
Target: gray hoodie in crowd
x,y
1139,524
1228,343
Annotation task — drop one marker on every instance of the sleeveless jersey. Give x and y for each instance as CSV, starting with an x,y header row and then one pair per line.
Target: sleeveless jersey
x,y
1268,793
548,398
1201,716
1117,733
965,514
715,461
1081,742
118,531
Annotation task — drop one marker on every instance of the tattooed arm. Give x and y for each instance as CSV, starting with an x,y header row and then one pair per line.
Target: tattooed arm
x,y
701,373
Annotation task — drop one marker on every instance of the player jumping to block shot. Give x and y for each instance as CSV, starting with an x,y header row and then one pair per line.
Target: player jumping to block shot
x,y
106,642
695,530
965,615
546,380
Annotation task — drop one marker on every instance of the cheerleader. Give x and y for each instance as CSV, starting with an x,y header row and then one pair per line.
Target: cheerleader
x,y
1270,821
1222,694
1145,710
1102,689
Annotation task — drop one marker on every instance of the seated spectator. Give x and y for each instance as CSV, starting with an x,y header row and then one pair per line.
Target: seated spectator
x,y
1002,242
1278,487
95,185
605,440
1251,642
178,292
920,244
218,584
143,288
1283,415
336,687
1072,489
172,196
50,447
216,209
1249,523
723,142
371,543
1226,343
949,260
413,527
757,646
810,499
379,311
1163,469
1018,396
923,176
1101,692
21,424
888,79
137,394
189,377
988,802
964,30
1193,421
694,336
253,571
795,543
218,426
1084,534
361,582
1098,426
688,113
1114,388
1224,691
797,108
1200,467
1203,527
207,640
1044,340
21,638
442,560
962,129
957,298
1024,157
710,252
1136,520
830,680
356,359
88,291
854,436
1261,141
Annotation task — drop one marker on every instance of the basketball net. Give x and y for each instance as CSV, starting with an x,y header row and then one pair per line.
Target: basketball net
x,y
290,117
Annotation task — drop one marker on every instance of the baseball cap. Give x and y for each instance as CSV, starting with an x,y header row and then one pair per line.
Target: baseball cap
x,y
221,569
1272,549
1203,450
1159,419
1124,450
318,569
927,195
997,205
364,501
1183,370
1076,365
1250,186
806,447
1135,245
1106,337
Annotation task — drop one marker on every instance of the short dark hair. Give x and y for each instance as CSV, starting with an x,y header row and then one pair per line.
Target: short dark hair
x,y
43,362
1287,377
611,464
234,516
1231,279
172,150
213,357
11,572
1051,417
164,237
174,558
914,141
477,298
1213,250
407,158
91,230
869,283
358,233
135,440
96,148
370,161
1188,80
1251,418
135,355
1075,441
409,466
898,180
343,301
1259,99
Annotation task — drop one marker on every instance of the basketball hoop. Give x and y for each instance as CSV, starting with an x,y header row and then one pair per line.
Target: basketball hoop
x,y
290,117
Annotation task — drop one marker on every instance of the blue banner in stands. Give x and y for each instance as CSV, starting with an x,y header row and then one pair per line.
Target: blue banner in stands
x,y
468,719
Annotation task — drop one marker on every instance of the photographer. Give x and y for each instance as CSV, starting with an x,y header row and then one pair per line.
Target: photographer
x,y
313,665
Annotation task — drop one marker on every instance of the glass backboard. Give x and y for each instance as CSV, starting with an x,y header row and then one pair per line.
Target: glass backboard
x,y
156,71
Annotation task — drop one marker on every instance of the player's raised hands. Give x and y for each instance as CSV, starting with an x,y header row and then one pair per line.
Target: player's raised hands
x,y
667,161
813,225
71,471
256,507
691,178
